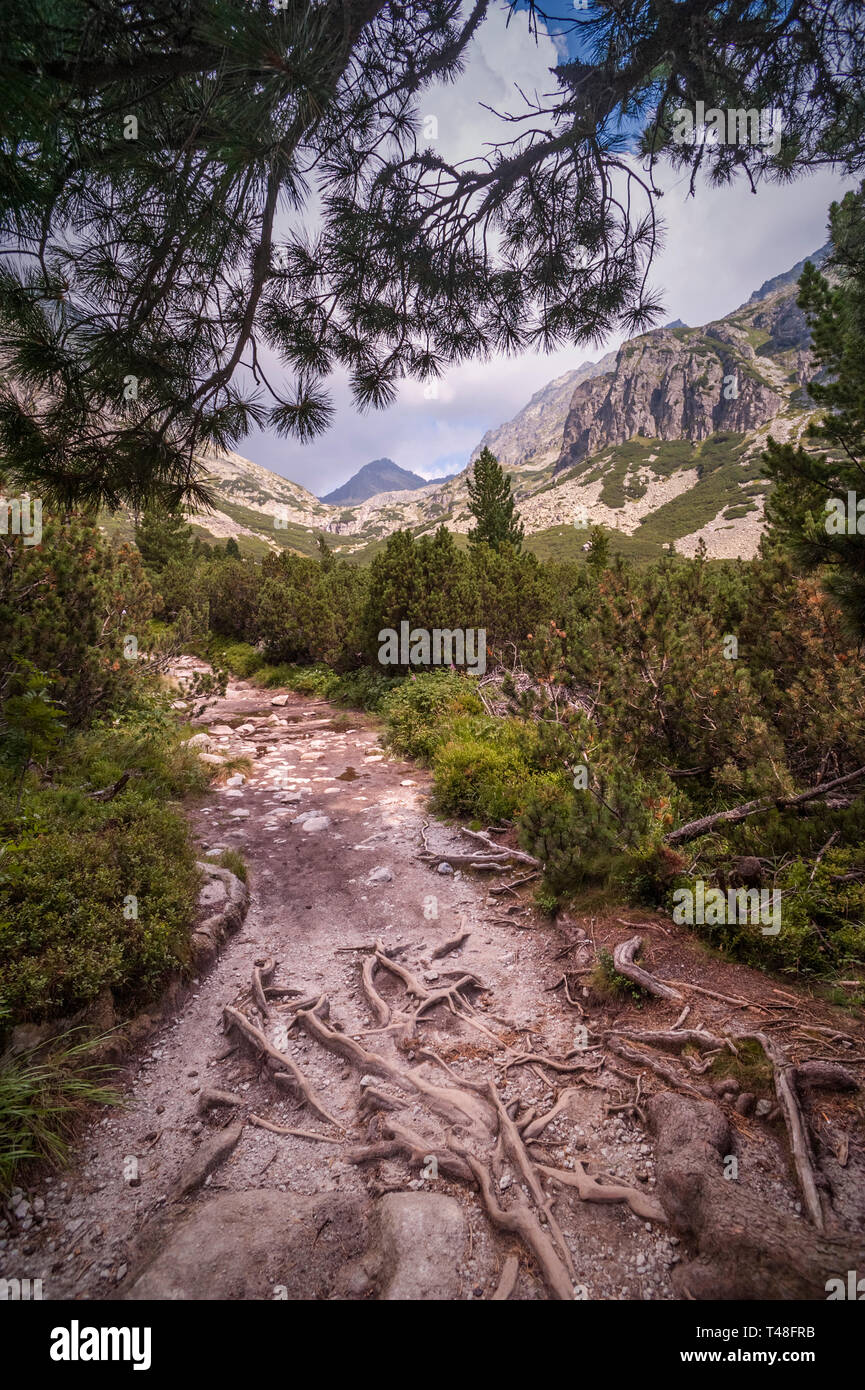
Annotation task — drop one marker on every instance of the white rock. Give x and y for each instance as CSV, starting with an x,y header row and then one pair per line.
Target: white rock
x,y
315,823
279,700
381,874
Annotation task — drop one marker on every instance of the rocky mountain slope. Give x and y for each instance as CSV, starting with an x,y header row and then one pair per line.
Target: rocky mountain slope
x,y
660,441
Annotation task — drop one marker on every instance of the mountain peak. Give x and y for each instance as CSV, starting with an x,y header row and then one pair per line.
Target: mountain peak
x,y
382,475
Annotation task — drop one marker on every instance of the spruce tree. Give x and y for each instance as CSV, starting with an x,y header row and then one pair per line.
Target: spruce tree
x,y
492,506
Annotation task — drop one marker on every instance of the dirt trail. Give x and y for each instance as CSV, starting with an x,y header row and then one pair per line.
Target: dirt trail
x,y
330,828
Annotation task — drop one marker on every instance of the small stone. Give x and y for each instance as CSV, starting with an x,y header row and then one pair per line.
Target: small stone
x,y
444,868
380,874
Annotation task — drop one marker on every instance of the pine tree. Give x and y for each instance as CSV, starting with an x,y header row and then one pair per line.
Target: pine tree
x,y
232,548
492,506
810,509
162,537
169,136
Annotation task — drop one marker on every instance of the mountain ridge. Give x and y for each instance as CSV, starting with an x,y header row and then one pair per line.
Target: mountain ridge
x,y
659,440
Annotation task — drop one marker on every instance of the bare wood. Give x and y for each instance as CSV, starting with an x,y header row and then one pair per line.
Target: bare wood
x,y
508,1280
752,808
592,1190
623,959
288,1072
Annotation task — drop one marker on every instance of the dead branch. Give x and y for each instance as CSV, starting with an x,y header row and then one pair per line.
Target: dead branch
x,y
752,808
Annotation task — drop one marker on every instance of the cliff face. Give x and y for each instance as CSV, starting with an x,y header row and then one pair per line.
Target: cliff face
x,y
690,383
533,438
661,441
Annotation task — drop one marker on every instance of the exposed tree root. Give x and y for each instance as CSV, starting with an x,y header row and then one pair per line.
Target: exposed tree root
x,y
797,1129
261,1123
261,973
668,1074
676,1038
623,959
380,1008
210,1099
508,1281
555,1063
592,1190
286,1072
453,944
533,1128
398,1139
455,1106
519,1221
745,1248
512,1144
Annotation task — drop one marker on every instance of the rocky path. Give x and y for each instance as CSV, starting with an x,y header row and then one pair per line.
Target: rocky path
x,y
172,1197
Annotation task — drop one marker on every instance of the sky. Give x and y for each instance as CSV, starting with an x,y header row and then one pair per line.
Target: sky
x,y
719,246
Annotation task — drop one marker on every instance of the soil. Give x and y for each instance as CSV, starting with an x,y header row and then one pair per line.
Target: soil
x,y
331,838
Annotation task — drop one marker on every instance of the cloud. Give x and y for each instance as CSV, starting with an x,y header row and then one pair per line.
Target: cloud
x,y
719,246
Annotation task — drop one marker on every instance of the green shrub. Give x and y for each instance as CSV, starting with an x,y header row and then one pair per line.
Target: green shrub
x,y
417,709
241,659
484,770
97,894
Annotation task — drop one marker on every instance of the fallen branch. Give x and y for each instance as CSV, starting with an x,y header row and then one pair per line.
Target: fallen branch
x,y
752,808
